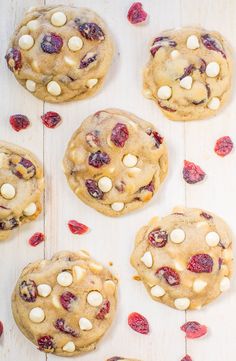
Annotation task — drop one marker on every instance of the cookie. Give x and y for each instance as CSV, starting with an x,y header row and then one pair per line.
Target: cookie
x,y
189,73
66,304
115,162
60,53
21,185
184,259
117,358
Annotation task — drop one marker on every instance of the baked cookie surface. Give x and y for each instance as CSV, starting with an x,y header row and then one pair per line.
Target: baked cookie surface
x,y
21,185
60,53
189,73
184,259
115,162
66,304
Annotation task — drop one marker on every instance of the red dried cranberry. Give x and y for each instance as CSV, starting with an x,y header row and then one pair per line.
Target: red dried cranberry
x,y
192,173
203,66
28,291
14,60
169,274
138,323
136,14
168,109
195,102
52,43
87,60
161,41
46,343
9,224
156,136
186,358
206,215
119,134
66,299
224,146
194,329
104,310
36,239
220,262
200,263
98,159
212,44
61,325
158,238
92,138
187,71
149,187
77,228
19,122
51,119
22,167
92,188
91,31
1,328
208,90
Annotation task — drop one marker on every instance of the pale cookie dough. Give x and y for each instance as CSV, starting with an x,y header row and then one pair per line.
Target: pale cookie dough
x,y
184,259
189,74
115,162
66,304
21,185
60,53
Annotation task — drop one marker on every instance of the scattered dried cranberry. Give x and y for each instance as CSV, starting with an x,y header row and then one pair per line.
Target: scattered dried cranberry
x,y
77,228
194,329
91,31
92,138
195,102
36,239
220,262
87,60
52,43
206,215
169,274
46,343
223,146
200,263
161,41
22,167
51,119
187,358
19,122
92,188
212,44
156,136
136,13
138,323
28,291
119,134
66,299
187,71
149,187
158,238
104,310
1,328
98,159
192,173
9,224
203,66
168,109
208,90
61,325
14,60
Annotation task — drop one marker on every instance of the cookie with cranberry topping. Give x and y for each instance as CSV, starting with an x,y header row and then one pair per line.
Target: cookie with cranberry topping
x,y
189,74
21,185
184,259
60,53
66,304
115,162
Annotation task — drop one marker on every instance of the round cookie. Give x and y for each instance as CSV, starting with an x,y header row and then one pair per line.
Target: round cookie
x,y
189,73
66,304
21,185
60,53
184,259
115,162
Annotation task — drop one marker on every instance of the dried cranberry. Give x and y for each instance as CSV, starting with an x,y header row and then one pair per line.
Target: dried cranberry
x,y
14,59
46,343
92,188
19,122
115,358
212,44
158,238
200,263
220,262
61,325
51,119
192,173
92,138
36,239
149,187
22,167
119,134
52,43
169,274
223,146
9,224
77,228
138,323
208,90
104,310
206,215
136,14
168,109
161,41
98,159
194,329
186,358
156,136
1,328
66,299
87,60
91,31
195,102
28,291
187,71
203,66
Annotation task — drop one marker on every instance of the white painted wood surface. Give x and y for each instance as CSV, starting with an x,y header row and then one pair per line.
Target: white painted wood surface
x,y
113,239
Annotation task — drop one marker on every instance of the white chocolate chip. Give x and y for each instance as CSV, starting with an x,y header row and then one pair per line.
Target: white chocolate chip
x,y
193,42
26,42
177,235
30,210
78,272
147,259
8,191
54,88
175,54
55,301
179,266
157,291
117,206
69,347
85,324
109,287
212,69
225,284
33,25
199,285
212,239
182,303
44,290
64,278
95,267
30,85
186,82
91,83
147,93
69,61
164,92
130,160
75,43
105,184
94,298
37,315
214,103
58,19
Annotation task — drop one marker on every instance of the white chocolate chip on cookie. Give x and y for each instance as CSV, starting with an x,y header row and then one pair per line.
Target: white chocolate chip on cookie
x,y
157,291
37,315
212,69
117,206
64,279
186,82
105,184
30,210
8,191
54,88
164,92
33,25
199,285
91,83
130,160
94,298
44,290
75,43
78,273
193,42
85,324
109,287
58,19
30,85
214,103
182,303
147,259
212,239
69,347
177,235
26,42
174,54
225,284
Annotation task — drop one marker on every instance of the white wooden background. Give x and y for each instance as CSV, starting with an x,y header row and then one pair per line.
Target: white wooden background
x,y
113,239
